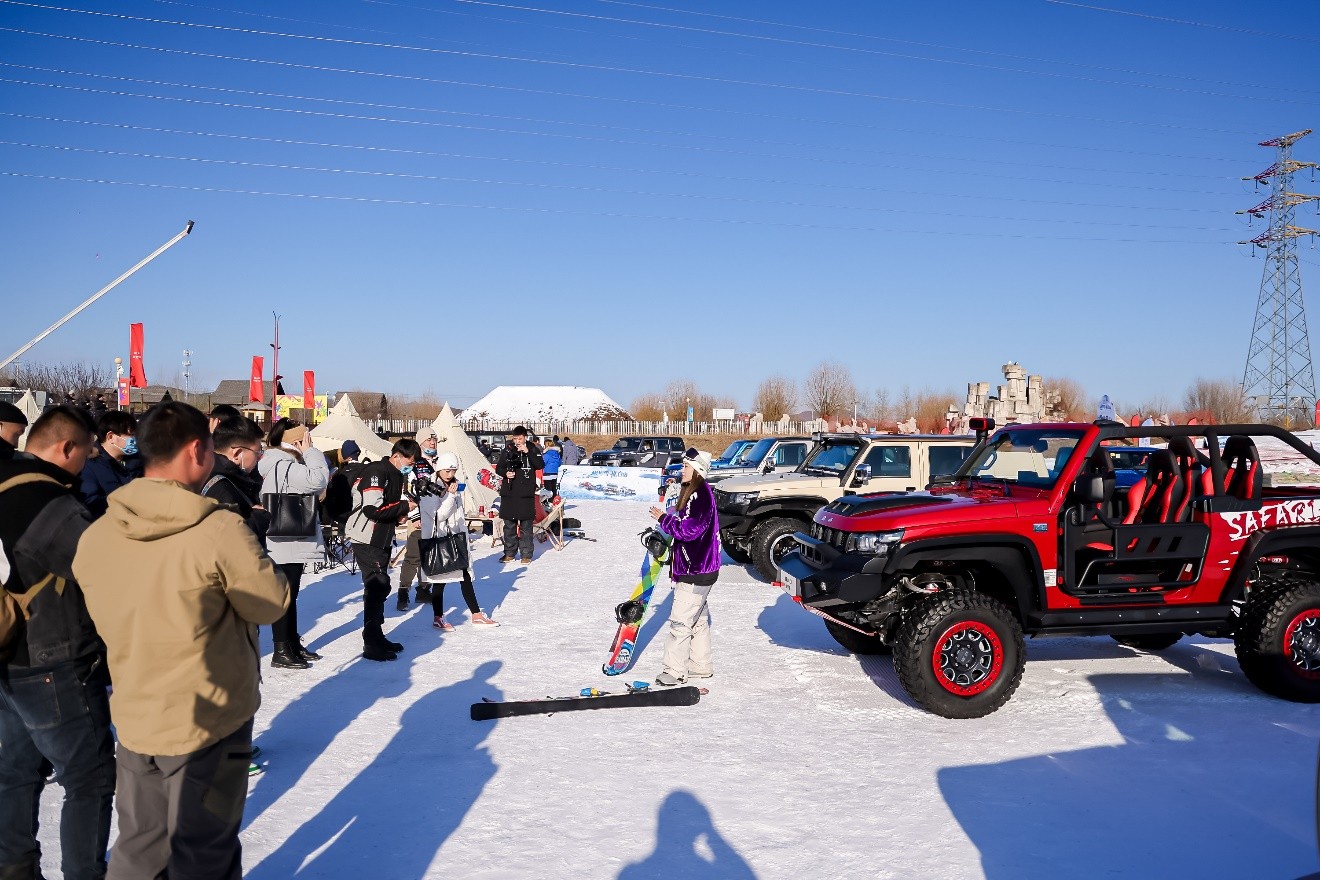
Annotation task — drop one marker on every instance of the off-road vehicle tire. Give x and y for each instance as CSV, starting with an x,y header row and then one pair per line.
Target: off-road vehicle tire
x,y
1149,642
855,642
742,557
1278,642
770,536
959,654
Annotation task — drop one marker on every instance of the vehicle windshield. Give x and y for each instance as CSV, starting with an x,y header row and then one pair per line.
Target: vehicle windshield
x,y
753,455
627,444
733,449
1032,457
831,458
1128,459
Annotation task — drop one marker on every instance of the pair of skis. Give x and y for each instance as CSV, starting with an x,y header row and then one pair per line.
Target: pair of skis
x,y
639,694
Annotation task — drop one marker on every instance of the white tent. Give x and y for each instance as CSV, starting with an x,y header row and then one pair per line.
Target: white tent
x,y
343,423
28,404
452,438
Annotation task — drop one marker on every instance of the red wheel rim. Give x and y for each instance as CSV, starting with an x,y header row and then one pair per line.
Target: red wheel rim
x,y
968,658
1301,643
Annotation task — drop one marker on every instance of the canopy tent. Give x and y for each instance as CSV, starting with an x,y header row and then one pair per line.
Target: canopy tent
x,y
343,423
452,438
32,410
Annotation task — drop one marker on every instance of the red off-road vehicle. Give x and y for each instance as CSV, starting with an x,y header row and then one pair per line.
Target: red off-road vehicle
x,y
1031,536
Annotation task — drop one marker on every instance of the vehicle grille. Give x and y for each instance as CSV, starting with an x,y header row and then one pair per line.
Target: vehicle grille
x,y
833,537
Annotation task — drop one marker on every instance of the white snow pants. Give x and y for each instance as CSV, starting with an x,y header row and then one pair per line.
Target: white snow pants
x,y
687,650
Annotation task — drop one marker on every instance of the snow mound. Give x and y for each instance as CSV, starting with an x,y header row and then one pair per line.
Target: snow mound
x,y
545,403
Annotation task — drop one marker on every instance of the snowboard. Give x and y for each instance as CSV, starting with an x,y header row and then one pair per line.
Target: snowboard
x,y
489,479
588,698
630,613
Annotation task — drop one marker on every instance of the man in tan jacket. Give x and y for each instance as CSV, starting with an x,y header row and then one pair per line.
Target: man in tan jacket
x,y
176,585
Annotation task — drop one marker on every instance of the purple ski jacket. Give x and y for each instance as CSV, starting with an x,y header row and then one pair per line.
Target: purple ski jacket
x,y
696,534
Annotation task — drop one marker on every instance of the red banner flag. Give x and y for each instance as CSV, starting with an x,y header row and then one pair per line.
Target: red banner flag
x,y
256,391
309,390
137,377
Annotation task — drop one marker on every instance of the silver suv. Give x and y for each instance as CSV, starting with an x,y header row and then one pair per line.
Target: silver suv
x,y
760,513
763,457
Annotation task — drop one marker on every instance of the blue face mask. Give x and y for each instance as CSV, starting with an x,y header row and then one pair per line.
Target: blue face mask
x,y
406,469
130,446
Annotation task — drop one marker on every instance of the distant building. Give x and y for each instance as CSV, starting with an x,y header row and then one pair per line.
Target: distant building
x,y
1022,399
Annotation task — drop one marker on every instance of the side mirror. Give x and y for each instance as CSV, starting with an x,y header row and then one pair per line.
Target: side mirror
x,y
768,467
861,476
1093,489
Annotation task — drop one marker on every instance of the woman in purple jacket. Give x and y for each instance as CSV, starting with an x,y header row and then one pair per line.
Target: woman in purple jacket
x,y
695,528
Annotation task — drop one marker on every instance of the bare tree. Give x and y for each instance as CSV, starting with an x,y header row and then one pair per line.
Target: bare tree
x,y
79,378
927,406
647,408
830,391
1221,401
775,397
1074,404
879,409
682,393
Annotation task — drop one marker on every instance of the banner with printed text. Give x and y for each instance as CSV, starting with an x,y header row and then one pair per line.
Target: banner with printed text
x,y
289,406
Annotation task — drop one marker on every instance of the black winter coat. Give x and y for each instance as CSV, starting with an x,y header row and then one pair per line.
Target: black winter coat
x,y
101,476
40,525
241,491
518,496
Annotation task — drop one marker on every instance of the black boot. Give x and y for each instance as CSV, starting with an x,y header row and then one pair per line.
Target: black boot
x,y
423,594
402,604
286,656
374,636
375,652
303,652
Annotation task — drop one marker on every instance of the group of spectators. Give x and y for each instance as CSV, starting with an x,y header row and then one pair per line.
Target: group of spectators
x,y
147,552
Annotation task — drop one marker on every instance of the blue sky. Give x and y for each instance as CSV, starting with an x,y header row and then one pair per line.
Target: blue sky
x,y
446,196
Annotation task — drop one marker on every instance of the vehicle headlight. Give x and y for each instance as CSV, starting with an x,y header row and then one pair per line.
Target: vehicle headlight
x,y
875,543
742,500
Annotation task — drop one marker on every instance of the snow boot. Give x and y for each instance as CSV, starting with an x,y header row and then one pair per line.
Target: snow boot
x,y
423,594
373,635
506,558
526,560
664,679
302,650
375,652
286,656
402,604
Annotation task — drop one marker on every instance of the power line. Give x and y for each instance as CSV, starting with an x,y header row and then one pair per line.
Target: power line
x,y
604,214
610,98
579,188
542,121
1202,24
599,167
615,141
606,68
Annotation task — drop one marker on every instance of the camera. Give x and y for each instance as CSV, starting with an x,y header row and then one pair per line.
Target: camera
x,y
424,486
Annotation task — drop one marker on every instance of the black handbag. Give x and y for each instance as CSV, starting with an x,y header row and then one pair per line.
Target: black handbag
x,y
444,554
291,515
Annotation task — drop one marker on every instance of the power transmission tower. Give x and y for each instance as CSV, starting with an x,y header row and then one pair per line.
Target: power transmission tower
x,y
1278,377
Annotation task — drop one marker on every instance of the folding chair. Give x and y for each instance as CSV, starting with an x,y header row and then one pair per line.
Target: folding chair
x,y
544,526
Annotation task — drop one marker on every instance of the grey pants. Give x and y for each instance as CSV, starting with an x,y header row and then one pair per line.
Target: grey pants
x,y
518,537
179,816
412,560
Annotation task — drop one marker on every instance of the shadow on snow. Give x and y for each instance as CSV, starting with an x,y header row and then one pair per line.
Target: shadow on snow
x,y
1213,779
688,846
390,820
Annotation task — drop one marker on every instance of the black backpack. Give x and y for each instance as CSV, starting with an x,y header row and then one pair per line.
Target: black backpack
x,y
338,503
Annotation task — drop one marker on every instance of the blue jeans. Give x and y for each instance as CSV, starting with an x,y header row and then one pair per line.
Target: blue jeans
x,y
60,715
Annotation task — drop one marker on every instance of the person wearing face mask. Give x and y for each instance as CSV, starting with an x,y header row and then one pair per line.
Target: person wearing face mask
x,y
423,474
234,481
519,466
291,465
115,465
379,506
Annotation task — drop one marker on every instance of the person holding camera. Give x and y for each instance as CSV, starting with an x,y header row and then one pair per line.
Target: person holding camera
x,y
518,466
423,473
447,518
292,466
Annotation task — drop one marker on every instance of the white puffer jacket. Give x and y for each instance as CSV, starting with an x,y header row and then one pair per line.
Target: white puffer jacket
x,y
448,520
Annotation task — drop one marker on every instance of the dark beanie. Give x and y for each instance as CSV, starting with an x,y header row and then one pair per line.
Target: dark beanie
x,y
350,449
11,413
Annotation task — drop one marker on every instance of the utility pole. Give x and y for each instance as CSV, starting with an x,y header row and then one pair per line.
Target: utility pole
x,y
275,369
187,386
1278,376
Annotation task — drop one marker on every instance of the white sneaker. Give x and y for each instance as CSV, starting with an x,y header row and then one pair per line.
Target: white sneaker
x,y
664,679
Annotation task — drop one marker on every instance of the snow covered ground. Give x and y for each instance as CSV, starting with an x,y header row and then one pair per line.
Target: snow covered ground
x,y
544,403
803,761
